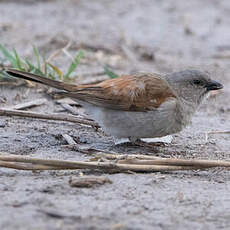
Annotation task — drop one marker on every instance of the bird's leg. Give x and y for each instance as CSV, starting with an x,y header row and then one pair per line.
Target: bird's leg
x,y
139,142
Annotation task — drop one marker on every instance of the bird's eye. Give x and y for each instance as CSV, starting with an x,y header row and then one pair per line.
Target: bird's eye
x,y
197,82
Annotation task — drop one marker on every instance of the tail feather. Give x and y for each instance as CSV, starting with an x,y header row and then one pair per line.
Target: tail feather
x,y
40,79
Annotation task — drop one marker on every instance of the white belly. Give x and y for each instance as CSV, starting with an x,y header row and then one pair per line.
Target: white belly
x,y
123,124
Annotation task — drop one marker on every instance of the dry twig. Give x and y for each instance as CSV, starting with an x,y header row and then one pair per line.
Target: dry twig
x,y
69,139
28,104
69,108
67,100
57,117
160,164
14,165
219,132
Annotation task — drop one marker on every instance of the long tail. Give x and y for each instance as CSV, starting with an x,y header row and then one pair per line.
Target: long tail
x,y
40,79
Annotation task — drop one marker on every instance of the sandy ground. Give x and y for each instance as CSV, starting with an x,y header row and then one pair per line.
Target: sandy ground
x,y
158,36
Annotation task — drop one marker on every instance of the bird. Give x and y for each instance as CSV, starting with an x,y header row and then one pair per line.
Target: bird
x,y
140,105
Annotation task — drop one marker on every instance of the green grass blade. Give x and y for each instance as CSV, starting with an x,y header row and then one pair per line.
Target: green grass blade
x,y
74,64
110,73
5,75
33,69
18,60
8,56
37,55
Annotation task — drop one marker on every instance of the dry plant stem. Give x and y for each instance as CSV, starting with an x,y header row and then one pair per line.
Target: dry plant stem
x,y
219,132
18,166
90,151
69,139
115,167
10,83
57,117
151,160
54,55
109,156
69,108
27,104
67,100
73,111
177,162
109,167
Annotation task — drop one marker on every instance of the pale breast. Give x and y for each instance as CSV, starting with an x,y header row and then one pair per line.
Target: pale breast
x,y
155,123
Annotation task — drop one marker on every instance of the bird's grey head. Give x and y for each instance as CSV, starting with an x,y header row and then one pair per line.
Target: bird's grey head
x,y
192,85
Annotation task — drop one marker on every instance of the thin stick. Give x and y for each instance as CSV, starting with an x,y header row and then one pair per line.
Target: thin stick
x,y
151,160
114,156
67,165
69,108
28,104
69,139
176,164
67,100
57,117
57,52
13,165
219,132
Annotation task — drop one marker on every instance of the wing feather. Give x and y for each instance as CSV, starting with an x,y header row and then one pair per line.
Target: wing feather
x,y
140,92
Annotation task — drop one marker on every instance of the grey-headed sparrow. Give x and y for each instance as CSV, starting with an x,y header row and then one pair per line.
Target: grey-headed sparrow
x,y
143,105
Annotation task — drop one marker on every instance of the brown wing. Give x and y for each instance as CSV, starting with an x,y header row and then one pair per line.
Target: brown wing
x,y
140,92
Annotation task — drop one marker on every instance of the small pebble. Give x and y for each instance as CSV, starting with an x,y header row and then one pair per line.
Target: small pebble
x,y
2,124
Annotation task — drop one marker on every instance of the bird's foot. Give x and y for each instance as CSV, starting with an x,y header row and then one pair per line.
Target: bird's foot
x,y
145,142
153,142
142,143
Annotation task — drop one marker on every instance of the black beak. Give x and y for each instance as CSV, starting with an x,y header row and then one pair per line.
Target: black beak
x,y
213,85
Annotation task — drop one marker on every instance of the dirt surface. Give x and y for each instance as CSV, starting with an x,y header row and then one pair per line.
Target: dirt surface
x,y
158,36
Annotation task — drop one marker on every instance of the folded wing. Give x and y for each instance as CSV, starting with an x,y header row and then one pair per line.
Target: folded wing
x,y
140,92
